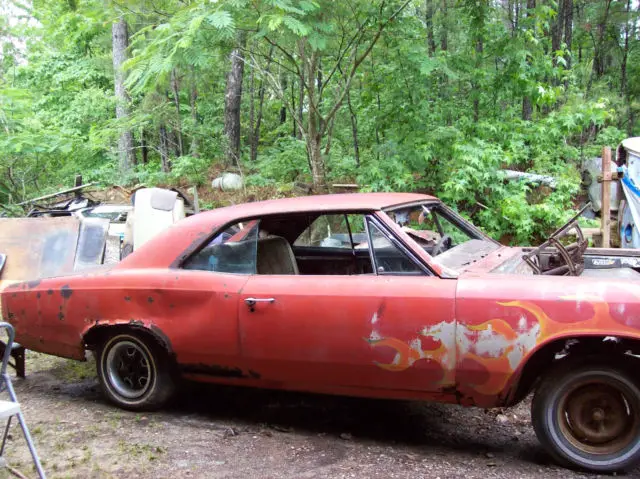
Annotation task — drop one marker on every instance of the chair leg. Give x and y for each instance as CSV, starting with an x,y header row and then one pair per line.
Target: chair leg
x,y
5,435
32,448
25,430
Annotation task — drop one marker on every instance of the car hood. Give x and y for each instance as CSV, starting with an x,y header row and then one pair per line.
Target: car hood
x,y
483,256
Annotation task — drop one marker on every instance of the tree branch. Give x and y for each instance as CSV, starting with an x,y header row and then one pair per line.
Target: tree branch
x,y
360,59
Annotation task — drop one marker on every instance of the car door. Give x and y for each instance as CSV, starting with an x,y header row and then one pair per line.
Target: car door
x,y
206,302
391,329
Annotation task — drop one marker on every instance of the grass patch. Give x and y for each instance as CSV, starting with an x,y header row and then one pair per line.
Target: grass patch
x,y
75,371
138,450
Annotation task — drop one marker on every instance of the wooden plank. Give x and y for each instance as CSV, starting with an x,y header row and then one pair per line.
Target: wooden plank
x,y
605,212
59,193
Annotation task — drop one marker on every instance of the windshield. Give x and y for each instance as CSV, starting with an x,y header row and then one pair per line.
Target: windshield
x,y
442,234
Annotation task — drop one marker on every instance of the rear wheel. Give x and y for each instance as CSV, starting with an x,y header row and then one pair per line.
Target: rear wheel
x,y
135,372
589,417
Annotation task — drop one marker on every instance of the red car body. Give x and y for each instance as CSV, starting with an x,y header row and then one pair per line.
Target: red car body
x,y
474,339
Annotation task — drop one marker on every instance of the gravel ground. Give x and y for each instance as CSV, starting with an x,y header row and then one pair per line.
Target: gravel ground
x,y
223,432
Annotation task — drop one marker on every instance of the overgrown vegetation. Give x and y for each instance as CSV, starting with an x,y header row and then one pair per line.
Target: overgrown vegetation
x,y
427,95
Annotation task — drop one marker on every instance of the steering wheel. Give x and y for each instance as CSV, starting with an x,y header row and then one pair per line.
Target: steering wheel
x,y
443,244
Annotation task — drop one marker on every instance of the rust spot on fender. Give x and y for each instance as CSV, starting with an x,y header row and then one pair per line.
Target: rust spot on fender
x,y
127,298
61,316
49,292
150,299
66,291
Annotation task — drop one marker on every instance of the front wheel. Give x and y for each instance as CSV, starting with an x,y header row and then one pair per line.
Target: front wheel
x,y
589,417
135,372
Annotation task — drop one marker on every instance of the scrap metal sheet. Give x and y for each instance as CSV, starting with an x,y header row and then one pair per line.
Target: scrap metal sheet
x,y
38,247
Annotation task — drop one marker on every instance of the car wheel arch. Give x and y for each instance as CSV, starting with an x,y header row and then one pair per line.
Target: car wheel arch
x,y
556,350
92,337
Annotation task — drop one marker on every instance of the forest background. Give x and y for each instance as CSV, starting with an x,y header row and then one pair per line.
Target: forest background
x,y
436,96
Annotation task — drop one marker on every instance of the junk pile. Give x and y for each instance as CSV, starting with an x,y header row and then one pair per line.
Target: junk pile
x,y
76,230
613,187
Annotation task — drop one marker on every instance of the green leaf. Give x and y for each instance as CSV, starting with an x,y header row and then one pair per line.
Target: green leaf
x,y
220,19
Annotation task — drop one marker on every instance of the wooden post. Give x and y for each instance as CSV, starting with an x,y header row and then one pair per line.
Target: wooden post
x,y
605,212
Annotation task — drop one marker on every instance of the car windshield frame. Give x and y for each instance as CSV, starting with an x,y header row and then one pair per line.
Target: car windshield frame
x,y
449,215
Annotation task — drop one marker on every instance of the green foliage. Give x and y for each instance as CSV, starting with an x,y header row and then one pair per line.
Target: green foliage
x,y
445,118
284,162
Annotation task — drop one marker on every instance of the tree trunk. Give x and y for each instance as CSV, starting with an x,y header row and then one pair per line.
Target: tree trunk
x,y
283,108
164,149
315,126
527,107
598,53
252,115
175,88
255,132
317,161
444,41
556,31
431,42
193,102
568,29
354,130
476,100
300,103
120,41
144,148
294,124
173,139
232,103
624,87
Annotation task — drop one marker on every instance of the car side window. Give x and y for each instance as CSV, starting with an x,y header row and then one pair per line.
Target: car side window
x,y
234,250
388,258
330,231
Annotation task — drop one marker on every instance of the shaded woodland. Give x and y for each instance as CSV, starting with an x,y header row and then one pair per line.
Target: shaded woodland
x,y
406,95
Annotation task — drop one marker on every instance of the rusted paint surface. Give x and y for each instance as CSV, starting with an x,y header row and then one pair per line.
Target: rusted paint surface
x,y
38,247
463,339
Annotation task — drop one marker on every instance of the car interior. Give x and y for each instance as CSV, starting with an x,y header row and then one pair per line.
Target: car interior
x,y
277,245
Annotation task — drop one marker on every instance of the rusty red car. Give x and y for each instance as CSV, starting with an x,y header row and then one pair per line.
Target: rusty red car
x,y
378,295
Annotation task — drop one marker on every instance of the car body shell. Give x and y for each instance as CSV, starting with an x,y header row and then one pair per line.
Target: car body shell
x,y
464,338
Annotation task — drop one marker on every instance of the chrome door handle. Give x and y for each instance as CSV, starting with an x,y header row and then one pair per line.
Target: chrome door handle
x,y
251,302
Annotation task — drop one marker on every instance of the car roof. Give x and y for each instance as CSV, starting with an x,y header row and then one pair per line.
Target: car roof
x,y
335,202
183,236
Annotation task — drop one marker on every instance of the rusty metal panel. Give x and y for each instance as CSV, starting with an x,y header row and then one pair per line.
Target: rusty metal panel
x,y
91,243
38,247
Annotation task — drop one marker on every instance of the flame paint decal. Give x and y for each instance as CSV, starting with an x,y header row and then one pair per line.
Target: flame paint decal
x,y
499,346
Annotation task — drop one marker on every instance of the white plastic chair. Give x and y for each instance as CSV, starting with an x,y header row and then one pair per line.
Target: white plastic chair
x,y
11,408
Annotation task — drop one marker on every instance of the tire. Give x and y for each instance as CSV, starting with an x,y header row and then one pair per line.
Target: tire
x,y
135,372
588,416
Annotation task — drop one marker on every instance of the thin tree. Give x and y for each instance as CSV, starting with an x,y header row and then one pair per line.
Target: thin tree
x,y
120,42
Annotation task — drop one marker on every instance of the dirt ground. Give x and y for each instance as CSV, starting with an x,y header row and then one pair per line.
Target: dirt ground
x,y
223,432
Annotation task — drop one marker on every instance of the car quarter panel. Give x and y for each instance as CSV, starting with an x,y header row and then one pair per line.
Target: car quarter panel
x,y
194,312
502,320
